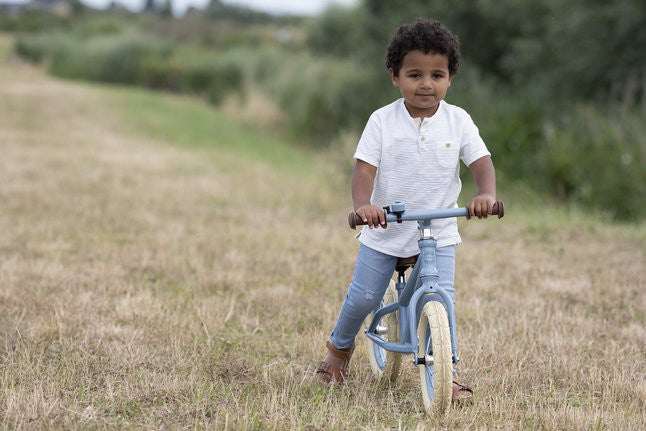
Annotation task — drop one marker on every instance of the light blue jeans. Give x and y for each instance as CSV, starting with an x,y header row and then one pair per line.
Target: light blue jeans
x,y
372,274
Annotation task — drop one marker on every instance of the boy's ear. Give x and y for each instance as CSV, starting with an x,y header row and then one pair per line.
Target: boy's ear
x,y
393,77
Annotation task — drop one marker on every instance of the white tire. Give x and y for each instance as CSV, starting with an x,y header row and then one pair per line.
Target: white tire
x,y
385,365
436,378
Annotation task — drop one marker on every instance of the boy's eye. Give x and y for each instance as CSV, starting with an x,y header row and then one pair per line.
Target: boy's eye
x,y
438,75
415,75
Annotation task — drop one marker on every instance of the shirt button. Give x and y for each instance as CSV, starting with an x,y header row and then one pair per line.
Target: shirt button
x,y
423,139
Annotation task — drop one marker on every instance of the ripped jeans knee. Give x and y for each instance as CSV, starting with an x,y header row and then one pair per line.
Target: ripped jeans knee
x,y
371,277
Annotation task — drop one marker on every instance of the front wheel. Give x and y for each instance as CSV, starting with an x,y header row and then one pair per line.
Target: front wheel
x,y
435,346
385,365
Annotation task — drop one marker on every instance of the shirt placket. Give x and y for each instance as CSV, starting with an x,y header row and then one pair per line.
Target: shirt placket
x,y
422,137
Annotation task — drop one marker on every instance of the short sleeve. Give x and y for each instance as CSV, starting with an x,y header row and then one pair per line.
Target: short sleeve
x,y
472,147
369,147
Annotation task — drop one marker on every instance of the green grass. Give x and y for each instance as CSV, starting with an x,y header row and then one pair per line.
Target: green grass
x,y
190,123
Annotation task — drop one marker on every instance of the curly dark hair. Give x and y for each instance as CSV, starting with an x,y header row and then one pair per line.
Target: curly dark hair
x,y
426,35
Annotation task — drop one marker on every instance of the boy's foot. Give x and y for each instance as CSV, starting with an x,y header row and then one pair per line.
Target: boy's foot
x,y
334,367
461,393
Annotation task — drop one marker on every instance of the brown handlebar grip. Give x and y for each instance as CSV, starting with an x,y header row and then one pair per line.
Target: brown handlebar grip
x,y
354,220
498,209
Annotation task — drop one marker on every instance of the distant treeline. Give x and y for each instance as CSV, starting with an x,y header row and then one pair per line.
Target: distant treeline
x,y
556,86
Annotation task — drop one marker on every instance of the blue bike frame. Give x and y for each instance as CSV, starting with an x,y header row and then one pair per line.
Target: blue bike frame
x,y
418,290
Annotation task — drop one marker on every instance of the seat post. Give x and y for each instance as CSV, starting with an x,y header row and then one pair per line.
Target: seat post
x,y
401,280
401,277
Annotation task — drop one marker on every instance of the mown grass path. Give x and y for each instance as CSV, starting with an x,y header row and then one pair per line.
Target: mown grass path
x,y
162,265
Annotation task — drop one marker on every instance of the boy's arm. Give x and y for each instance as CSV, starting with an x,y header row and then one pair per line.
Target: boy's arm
x,y
484,176
363,178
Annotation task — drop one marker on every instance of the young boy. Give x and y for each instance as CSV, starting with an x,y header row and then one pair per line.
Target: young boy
x,y
410,152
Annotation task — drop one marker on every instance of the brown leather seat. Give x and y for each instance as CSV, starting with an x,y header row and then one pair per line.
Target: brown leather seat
x,y
405,262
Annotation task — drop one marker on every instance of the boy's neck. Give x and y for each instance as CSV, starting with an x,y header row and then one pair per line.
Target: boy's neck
x,y
421,114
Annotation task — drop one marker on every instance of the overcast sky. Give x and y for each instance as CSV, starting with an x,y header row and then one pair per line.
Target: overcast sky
x,y
302,7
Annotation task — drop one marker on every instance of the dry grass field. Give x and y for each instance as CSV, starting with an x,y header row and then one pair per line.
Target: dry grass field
x,y
156,271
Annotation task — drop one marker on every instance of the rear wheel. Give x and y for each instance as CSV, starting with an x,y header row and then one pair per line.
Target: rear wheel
x,y
385,365
435,346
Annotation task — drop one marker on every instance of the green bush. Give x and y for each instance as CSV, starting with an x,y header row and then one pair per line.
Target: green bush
x,y
321,97
122,61
135,59
35,48
598,159
511,124
213,76
159,72
227,78
102,58
198,76
70,60
101,25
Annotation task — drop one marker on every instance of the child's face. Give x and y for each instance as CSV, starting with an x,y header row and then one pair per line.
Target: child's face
x,y
423,80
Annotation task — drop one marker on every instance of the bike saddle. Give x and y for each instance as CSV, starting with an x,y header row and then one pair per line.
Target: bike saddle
x,y
403,263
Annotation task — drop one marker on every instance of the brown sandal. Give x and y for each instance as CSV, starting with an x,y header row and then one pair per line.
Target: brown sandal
x,y
334,367
461,393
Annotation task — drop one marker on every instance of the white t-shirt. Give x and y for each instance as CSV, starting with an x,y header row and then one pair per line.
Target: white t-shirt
x,y
418,164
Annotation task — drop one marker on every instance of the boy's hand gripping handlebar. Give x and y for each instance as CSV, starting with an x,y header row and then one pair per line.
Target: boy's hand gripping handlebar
x,y
396,213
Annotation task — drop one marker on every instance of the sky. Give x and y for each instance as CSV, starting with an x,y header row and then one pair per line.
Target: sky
x,y
302,7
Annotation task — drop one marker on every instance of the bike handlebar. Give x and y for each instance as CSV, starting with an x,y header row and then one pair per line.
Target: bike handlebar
x,y
355,220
